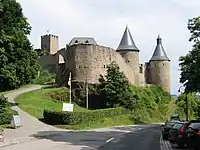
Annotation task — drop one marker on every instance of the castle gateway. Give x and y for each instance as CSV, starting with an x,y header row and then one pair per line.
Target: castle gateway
x,y
84,57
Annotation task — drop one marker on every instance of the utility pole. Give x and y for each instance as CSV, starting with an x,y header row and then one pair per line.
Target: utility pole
x,y
86,84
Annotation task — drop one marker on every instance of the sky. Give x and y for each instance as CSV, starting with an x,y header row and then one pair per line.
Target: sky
x,y
106,20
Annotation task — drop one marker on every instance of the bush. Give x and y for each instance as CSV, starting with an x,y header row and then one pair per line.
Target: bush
x,y
62,94
44,78
74,118
6,112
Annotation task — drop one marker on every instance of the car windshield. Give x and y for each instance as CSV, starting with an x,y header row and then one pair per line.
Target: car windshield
x,y
195,125
177,125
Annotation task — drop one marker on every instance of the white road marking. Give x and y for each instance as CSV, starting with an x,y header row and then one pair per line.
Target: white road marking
x,y
165,145
109,140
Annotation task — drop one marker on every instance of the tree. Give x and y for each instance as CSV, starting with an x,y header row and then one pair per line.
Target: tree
x,y
18,61
193,104
190,64
115,87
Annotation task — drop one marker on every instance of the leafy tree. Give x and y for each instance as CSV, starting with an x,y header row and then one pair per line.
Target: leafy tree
x,y
190,64
18,63
115,87
193,104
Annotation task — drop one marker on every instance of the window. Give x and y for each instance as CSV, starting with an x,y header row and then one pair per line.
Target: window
x,y
86,42
104,66
76,42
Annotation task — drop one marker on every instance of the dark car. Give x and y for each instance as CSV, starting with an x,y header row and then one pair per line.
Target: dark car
x,y
175,117
194,135
173,132
166,128
182,139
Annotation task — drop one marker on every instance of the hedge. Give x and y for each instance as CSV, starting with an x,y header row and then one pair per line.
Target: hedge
x,y
6,113
73,118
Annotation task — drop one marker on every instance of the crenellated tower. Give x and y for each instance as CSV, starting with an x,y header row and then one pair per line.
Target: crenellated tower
x,y
130,53
160,67
50,43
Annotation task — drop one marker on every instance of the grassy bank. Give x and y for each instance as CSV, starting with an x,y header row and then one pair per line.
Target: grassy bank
x,y
35,102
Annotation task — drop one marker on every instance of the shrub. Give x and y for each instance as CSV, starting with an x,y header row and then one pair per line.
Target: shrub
x,y
6,112
62,94
44,77
73,118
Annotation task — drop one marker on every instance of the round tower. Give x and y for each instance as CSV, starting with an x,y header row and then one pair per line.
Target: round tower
x,y
160,67
130,53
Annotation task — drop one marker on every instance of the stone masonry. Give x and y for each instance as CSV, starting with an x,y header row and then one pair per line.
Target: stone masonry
x,y
83,57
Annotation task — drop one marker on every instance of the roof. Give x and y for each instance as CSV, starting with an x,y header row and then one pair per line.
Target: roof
x,y
127,42
159,53
82,40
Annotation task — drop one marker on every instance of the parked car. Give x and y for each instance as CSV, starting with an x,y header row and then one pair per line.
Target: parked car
x,y
173,132
166,128
182,140
175,117
194,135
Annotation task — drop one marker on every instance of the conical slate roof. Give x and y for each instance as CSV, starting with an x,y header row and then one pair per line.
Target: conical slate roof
x,y
159,53
127,42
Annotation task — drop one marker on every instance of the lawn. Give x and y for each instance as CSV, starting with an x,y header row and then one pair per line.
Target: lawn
x,y
35,102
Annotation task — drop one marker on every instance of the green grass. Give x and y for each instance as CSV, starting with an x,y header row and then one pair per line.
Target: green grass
x,y
35,102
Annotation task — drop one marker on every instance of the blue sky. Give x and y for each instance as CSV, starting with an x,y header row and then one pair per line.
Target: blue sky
x,y
106,20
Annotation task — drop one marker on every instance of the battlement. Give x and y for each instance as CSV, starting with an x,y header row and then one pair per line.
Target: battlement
x,y
49,36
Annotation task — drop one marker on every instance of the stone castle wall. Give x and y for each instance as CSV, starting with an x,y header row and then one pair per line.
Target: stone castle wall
x,y
91,60
160,74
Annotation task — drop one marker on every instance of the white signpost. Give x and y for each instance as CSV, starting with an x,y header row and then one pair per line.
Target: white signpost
x,y
68,107
16,121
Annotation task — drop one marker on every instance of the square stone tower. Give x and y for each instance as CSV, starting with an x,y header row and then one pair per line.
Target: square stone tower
x,y
50,43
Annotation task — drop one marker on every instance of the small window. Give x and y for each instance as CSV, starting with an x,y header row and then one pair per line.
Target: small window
x,y
104,66
86,42
76,42
45,46
163,64
84,67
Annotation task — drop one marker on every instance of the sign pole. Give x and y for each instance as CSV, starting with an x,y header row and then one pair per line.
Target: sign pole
x,y
70,88
86,93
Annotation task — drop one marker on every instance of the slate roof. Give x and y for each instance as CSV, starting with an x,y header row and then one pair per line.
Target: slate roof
x,y
159,53
127,42
82,40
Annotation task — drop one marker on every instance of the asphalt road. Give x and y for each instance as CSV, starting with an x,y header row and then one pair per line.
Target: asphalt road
x,y
147,138
141,137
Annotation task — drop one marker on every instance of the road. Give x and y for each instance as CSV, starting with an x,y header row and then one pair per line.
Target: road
x,y
148,137
141,137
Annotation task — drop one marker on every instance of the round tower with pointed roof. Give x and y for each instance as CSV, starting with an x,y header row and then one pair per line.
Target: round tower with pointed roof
x,y
160,67
130,52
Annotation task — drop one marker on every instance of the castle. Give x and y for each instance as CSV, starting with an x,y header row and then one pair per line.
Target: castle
x,y
83,57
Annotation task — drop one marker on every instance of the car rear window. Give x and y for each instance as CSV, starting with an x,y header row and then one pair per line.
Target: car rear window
x,y
177,125
170,124
195,125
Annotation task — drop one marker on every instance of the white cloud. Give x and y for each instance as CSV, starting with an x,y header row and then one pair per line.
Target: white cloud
x,y
106,20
